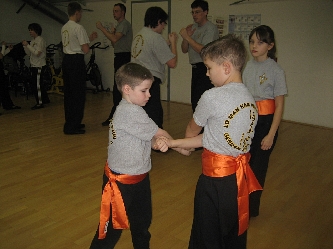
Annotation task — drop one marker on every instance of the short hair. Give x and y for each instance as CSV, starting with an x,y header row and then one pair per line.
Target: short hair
x,y
121,6
73,7
228,48
153,15
200,3
35,27
265,34
132,74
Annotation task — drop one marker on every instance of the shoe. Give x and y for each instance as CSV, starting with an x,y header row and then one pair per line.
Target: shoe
x,y
81,126
13,107
77,132
35,107
106,122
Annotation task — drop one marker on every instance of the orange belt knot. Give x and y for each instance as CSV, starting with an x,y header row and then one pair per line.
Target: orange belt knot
x,y
112,197
216,165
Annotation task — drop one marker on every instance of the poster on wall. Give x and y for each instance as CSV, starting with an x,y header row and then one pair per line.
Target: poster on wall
x,y
241,25
218,21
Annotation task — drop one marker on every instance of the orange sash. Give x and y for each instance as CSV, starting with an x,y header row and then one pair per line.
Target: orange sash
x,y
266,107
112,197
216,165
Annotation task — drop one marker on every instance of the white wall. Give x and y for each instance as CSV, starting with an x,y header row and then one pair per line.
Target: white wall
x,y
303,29
304,34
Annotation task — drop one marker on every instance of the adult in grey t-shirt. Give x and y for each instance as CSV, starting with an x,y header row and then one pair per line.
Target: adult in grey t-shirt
x,y
195,37
121,39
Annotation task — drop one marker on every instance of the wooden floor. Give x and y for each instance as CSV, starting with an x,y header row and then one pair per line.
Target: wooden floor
x,y
50,183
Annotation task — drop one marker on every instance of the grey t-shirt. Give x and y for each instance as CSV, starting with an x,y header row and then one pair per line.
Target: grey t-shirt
x,y
125,42
265,80
130,135
229,116
202,35
151,50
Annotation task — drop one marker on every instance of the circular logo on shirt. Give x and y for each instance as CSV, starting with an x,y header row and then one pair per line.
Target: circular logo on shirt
x,y
246,138
138,44
65,38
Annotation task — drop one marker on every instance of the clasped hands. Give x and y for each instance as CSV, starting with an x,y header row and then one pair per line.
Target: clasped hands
x,y
163,143
187,32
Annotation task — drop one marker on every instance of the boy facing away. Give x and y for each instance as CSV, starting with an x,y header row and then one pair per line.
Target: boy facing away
x,y
228,114
126,197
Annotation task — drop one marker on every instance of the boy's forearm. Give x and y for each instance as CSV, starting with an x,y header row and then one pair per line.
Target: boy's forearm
x,y
185,143
178,144
192,129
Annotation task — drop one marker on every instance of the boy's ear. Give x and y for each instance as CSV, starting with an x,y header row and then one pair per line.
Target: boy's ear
x,y
126,89
227,67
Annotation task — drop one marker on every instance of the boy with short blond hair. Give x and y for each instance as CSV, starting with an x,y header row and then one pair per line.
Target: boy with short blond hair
x,y
228,114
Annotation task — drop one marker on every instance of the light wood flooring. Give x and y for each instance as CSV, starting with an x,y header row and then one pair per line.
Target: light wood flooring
x,y
50,183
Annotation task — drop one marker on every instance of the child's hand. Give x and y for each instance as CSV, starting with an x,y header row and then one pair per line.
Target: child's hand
x,y
161,145
267,142
166,140
184,152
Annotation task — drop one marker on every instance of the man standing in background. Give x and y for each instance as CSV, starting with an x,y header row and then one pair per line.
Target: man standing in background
x,y
151,50
195,36
75,44
121,39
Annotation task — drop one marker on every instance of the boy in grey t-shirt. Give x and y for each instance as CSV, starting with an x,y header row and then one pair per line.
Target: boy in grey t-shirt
x,y
126,194
229,115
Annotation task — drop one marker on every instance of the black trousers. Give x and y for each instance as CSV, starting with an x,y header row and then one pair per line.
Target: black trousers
x,y
260,158
154,106
137,200
5,99
74,75
119,60
215,220
37,85
199,84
